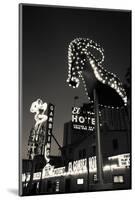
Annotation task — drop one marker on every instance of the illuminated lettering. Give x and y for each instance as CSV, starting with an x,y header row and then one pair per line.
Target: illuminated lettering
x,y
49,132
46,154
50,119
49,138
78,167
124,160
51,107
59,171
75,166
76,110
93,121
37,176
74,118
92,164
70,167
25,177
48,145
50,126
51,114
89,119
81,119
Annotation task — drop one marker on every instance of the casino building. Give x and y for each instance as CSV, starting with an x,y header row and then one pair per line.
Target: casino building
x,y
79,142
76,170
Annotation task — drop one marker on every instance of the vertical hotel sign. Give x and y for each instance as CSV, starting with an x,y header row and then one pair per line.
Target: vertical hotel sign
x,y
49,127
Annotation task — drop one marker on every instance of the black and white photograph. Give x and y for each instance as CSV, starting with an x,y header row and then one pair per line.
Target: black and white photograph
x,y
75,99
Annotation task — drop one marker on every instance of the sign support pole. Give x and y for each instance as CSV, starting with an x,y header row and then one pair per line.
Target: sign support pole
x,y
88,176
98,140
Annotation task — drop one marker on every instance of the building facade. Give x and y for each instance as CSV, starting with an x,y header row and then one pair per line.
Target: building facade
x,y
76,170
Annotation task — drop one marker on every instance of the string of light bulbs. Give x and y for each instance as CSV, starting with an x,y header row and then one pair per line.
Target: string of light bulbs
x,y
78,52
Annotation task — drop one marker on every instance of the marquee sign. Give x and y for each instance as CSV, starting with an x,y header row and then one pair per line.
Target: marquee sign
x,y
123,160
77,167
83,120
74,168
80,167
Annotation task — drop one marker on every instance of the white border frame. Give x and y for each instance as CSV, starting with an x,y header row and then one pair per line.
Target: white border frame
x,y
9,96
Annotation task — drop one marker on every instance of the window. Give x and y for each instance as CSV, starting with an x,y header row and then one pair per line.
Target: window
x,y
80,181
95,178
115,144
49,186
118,179
37,185
57,186
94,149
70,150
82,153
94,136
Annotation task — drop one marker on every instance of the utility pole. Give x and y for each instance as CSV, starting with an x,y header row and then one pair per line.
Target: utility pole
x,y
98,140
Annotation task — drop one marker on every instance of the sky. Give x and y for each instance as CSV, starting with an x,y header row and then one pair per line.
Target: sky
x,y
46,34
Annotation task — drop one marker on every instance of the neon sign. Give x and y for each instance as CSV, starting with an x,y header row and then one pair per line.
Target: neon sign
x,y
122,159
37,176
79,53
81,120
92,164
50,171
77,167
35,146
49,127
39,108
25,177
80,167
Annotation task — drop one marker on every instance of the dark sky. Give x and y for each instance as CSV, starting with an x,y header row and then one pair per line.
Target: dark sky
x,y
47,32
